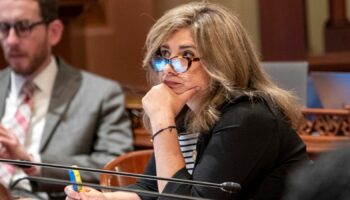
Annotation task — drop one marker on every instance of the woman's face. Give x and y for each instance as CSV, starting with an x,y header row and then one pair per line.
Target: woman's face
x,y
181,43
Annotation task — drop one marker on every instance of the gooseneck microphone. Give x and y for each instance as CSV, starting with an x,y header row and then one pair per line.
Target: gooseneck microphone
x,y
230,187
137,191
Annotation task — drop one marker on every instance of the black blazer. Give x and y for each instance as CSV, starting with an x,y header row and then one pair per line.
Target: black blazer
x,y
251,144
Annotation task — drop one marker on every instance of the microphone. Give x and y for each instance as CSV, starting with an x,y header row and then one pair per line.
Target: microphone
x,y
141,192
230,187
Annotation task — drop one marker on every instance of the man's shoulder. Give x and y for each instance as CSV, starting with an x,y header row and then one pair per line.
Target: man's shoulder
x,y
87,77
84,82
5,70
94,82
4,73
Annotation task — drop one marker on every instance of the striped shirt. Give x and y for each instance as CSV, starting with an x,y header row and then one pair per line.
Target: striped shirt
x,y
188,143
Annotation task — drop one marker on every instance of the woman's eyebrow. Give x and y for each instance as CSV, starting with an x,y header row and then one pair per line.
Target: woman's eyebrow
x,y
187,47
181,47
165,46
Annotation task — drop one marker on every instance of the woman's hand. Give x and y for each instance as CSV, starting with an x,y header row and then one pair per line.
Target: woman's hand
x,y
161,103
87,193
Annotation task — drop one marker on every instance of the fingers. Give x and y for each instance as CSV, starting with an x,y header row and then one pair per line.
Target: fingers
x,y
4,153
6,136
85,194
2,128
161,102
69,198
4,133
185,96
5,143
11,143
71,194
92,195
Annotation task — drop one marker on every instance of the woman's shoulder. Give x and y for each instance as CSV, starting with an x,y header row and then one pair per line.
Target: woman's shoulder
x,y
245,105
245,110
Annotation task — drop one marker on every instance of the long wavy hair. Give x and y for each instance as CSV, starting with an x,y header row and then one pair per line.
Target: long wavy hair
x,y
227,55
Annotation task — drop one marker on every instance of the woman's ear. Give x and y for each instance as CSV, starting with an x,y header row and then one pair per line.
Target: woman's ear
x,y
55,31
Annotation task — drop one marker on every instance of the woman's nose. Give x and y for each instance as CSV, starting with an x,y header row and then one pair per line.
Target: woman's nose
x,y
168,69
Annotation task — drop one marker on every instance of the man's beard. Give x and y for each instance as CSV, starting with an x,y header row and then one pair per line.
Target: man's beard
x,y
34,64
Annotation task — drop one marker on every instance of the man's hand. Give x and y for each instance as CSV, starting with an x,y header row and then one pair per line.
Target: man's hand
x,y
11,148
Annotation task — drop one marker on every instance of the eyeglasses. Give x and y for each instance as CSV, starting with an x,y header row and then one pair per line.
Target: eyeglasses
x,y
22,28
179,64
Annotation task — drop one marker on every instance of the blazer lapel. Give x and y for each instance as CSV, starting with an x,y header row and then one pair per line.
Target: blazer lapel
x,y
67,83
5,86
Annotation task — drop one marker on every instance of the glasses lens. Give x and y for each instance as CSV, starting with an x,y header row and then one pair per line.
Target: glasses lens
x,y
179,64
4,30
22,28
158,64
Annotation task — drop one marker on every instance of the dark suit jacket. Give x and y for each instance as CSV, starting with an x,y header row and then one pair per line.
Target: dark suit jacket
x,y
86,123
251,144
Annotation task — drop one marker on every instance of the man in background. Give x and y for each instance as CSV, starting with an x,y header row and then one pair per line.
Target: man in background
x,y
49,111
327,179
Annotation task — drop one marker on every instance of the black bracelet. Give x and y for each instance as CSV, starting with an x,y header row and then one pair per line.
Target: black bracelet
x,y
161,130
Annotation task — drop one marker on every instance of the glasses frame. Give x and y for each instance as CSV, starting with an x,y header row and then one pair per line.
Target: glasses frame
x,y
169,61
20,33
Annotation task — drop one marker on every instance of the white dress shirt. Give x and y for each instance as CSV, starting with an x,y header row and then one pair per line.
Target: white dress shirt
x,y
44,82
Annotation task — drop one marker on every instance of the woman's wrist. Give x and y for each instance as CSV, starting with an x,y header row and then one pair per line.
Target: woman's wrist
x,y
157,124
155,134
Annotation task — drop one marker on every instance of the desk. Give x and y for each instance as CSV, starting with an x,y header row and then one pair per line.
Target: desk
x,y
330,62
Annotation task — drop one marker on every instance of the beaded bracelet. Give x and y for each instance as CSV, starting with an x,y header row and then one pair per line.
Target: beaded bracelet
x,y
161,130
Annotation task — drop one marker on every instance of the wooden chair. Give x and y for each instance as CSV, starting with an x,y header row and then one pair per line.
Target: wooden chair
x,y
141,135
134,162
4,193
324,129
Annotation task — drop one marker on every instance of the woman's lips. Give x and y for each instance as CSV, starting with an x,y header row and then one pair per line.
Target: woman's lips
x,y
171,84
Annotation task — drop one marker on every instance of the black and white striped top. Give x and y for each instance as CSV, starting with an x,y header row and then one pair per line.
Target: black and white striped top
x,y
188,143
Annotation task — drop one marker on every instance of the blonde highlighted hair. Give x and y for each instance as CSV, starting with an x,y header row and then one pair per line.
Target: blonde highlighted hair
x,y
227,55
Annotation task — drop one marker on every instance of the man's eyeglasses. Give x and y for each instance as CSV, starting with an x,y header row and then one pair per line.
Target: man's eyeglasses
x,y
22,28
179,64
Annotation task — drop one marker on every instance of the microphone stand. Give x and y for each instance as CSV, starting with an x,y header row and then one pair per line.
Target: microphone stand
x,y
230,187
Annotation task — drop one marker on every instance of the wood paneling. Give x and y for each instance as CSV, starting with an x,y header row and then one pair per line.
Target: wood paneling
x,y
69,10
337,29
108,39
74,2
282,27
333,62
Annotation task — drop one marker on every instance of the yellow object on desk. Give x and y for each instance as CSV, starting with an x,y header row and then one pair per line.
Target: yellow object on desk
x,y
74,176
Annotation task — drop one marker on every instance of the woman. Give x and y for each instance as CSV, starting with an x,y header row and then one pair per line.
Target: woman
x,y
232,122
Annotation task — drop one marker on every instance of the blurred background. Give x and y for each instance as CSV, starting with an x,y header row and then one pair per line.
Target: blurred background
x,y
106,37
